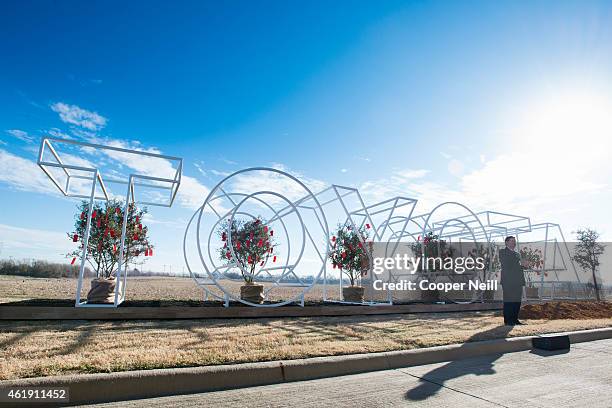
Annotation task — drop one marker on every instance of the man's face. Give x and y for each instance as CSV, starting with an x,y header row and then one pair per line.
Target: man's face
x,y
511,243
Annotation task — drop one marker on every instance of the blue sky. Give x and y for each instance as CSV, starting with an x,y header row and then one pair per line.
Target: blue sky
x,y
500,105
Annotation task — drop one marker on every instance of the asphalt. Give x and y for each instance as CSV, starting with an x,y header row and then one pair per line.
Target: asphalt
x,y
581,377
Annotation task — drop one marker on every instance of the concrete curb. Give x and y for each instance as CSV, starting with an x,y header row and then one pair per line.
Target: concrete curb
x,y
240,312
121,386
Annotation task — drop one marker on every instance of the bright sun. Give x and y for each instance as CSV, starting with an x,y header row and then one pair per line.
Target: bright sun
x,y
568,123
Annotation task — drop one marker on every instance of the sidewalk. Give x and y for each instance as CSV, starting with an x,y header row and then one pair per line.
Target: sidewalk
x,y
579,378
130,385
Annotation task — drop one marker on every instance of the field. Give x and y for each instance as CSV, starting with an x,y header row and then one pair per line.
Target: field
x,y
43,348
15,288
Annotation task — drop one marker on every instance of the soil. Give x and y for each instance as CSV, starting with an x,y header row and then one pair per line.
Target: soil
x,y
567,310
541,311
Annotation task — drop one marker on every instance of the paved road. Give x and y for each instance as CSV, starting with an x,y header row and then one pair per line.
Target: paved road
x,y
580,378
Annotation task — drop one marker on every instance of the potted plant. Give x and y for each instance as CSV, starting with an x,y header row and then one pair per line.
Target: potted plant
x,y
348,253
430,246
253,244
492,265
104,242
534,261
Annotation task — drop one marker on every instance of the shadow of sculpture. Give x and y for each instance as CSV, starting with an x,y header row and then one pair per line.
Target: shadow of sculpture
x,y
433,381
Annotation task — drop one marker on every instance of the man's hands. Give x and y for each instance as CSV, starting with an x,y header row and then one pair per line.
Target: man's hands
x,y
525,263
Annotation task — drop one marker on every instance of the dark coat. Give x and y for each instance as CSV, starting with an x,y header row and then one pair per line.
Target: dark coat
x,y
512,275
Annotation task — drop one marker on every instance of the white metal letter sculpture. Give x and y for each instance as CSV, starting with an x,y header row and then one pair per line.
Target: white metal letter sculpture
x,y
293,215
300,219
156,177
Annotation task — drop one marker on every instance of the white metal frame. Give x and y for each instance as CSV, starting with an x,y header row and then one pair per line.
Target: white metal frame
x,y
357,218
560,249
171,185
216,274
484,226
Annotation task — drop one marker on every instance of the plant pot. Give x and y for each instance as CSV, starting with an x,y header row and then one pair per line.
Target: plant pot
x,y
488,295
103,291
430,296
532,293
353,294
252,292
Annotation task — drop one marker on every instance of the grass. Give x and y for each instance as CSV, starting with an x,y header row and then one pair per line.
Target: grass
x,y
16,288
43,348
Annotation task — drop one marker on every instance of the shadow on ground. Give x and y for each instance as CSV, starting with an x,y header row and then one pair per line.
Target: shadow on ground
x,y
432,382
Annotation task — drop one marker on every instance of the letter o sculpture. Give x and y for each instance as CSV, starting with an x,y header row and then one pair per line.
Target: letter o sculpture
x,y
289,210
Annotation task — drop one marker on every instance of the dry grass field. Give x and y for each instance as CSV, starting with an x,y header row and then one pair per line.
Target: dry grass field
x,y
42,348
15,288
20,287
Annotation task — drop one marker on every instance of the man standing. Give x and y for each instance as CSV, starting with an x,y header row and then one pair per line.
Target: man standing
x,y
512,281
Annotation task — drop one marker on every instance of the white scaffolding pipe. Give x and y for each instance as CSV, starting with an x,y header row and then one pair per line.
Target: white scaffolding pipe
x,y
162,183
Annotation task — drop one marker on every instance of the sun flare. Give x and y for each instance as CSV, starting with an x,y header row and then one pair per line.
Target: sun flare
x,y
568,123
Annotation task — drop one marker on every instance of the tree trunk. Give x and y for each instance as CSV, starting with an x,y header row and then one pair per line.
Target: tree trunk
x,y
596,286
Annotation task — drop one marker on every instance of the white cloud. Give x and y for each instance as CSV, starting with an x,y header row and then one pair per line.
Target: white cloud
x,y
220,173
516,180
152,166
412,174
546,189
55,132
33,243
200,169
191,193
23,174
555,166
343,170
228,161
21,135
271,181
80,117
83,134
3,143
175,223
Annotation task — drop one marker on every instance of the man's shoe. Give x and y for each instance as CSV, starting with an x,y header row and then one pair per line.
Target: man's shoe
x,y
520,323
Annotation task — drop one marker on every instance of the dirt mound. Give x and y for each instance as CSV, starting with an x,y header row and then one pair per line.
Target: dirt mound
x,y
567,310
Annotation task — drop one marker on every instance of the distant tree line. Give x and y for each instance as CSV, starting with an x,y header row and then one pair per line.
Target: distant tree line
x,y
287,279
40,269
44,269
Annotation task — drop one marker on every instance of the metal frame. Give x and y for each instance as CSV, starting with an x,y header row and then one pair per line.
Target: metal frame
x,y
171,185
557,249
386,221
470,227
369,215
384,218
319,204
216,273
357,218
